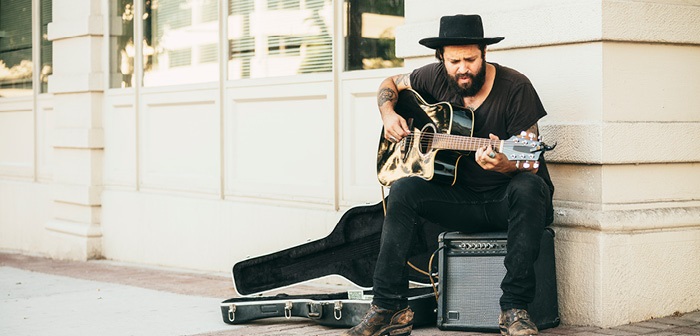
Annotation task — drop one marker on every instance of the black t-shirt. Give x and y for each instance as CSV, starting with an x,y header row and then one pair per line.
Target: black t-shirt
x,y
511,107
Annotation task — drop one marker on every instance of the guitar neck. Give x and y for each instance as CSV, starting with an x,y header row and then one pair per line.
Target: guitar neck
x,y
463,143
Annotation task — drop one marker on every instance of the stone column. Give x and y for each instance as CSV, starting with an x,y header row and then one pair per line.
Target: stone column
x,y
628,203
621,83
77,86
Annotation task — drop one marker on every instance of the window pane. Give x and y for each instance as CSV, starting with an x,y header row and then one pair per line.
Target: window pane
x,y
15,48
46,45
122,48
180,42
279,37
370,40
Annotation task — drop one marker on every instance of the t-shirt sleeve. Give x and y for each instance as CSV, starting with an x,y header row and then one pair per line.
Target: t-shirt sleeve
x,y
429,81
423,78
524,109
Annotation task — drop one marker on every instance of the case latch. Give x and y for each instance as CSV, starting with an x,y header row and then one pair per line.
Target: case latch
x,y
231,312
288,310
338,310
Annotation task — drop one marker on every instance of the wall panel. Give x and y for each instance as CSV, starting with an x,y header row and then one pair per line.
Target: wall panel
x,y
25,207
45,124
17,139
279,142
361,127
179,141
120,140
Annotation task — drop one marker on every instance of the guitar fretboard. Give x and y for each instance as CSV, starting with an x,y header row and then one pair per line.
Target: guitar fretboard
x,y
461,143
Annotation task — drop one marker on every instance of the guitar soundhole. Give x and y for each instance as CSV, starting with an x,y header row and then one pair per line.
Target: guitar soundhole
x,y
426,138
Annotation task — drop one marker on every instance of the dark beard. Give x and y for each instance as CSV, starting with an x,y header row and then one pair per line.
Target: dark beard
x,y
476,85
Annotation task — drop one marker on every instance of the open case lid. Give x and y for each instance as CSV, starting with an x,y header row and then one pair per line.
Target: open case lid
x,y
350,251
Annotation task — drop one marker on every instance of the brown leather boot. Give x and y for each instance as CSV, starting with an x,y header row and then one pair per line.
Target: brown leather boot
x,y
516,322
384,322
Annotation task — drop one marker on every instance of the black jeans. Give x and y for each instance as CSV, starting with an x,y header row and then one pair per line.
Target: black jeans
x,y
519,207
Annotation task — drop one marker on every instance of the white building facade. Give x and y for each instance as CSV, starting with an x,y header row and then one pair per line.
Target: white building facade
x,y
239,128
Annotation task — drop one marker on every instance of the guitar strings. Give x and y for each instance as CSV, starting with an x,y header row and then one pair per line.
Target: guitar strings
x,y
450,139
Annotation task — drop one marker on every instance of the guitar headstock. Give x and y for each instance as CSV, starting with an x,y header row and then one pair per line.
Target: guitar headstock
x,y
525,147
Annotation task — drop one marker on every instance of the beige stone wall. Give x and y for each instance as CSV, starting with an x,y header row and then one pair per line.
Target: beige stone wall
x,y
620,80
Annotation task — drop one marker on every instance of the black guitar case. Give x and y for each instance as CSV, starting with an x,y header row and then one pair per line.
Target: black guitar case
x,y
350,251
333,310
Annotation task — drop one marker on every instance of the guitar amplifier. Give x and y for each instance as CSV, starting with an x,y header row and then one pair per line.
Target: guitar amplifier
x,y
471,270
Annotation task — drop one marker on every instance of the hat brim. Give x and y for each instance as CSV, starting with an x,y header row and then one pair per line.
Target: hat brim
x,y
437,42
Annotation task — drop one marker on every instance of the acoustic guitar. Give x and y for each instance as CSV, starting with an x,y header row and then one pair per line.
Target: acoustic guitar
x,y
441,136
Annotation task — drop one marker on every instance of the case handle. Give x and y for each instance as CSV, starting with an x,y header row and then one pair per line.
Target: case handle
x,y
315,310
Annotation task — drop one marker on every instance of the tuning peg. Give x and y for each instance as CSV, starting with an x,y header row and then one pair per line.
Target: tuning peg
x,y
526,165
517,164
548,147
536,165
523,134
532,136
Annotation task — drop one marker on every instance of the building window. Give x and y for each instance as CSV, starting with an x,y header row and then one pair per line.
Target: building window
x,y
266,38
122,45
178,40
46,46
279,38
16,67
369,33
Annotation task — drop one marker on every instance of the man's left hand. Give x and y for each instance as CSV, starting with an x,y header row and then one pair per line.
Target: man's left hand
x,y
488,159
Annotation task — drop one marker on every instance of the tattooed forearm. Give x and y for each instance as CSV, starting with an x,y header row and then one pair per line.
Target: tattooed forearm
x,y
403,79
386,95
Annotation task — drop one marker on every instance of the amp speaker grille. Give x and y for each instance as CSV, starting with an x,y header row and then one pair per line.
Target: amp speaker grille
x,y
473,289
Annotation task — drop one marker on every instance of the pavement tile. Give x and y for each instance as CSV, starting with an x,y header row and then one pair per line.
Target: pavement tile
x,y
615,332
692,316
675,321
654,324
568,330
585,329
685,331
433,331
635,329
561,330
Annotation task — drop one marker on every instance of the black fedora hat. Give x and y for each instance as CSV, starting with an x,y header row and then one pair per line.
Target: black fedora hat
x,y
459,30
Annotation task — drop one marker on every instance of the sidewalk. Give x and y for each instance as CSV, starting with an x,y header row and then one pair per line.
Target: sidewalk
x,y
40,296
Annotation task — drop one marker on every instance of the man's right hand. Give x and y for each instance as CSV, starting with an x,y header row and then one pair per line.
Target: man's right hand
x,y
395,126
